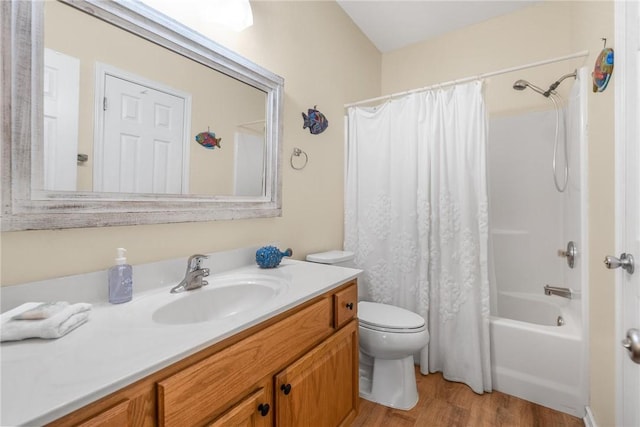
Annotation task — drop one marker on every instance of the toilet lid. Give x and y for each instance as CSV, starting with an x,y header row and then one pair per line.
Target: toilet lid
x,y
388,316
331,257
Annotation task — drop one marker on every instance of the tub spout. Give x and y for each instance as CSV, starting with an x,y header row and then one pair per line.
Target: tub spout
x,y
555,290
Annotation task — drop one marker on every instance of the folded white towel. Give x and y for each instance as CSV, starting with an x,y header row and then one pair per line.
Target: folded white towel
x,y
42,320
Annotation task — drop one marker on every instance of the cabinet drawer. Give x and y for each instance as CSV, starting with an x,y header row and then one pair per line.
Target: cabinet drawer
x,y
115,416
345,305
254,410
203,390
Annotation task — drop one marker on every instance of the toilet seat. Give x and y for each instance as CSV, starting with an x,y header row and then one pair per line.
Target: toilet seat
x,y
388,318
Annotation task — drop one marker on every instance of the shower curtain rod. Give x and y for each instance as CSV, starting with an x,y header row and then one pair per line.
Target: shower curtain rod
x,y
472,78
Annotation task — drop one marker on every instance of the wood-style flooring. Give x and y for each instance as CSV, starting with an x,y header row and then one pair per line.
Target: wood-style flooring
x,y
448,404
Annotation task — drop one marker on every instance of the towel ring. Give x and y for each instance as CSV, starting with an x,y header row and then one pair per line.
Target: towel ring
x,y
297,152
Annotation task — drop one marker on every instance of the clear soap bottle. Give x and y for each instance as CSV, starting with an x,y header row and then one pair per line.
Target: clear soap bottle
x,y
120,280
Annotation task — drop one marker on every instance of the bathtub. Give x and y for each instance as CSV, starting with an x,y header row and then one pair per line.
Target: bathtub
x,y
535,359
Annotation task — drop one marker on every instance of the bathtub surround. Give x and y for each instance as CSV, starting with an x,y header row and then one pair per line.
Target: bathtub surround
x,y
539,341
416,218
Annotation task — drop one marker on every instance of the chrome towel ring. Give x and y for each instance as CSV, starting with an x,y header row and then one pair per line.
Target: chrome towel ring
x,y
297,153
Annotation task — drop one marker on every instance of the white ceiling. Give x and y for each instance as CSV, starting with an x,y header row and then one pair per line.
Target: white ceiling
x,y
392,24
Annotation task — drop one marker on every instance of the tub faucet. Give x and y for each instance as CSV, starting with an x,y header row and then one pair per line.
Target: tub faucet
x,y
555,290
194,275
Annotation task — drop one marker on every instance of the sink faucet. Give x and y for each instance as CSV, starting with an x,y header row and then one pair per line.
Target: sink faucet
x,y
193,276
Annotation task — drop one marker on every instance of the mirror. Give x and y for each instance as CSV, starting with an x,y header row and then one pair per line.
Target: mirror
x,y
135,122
137,94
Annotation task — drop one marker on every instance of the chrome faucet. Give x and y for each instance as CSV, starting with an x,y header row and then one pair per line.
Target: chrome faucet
x,y
555,290
194,275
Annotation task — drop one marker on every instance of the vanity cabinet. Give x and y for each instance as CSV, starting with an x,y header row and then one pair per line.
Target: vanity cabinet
x,y
298,368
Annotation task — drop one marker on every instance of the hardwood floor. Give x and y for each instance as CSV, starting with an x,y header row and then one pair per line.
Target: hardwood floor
x,y
448,404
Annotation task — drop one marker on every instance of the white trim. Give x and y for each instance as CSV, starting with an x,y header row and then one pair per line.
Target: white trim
x,y
626,110
472,78
102,71
584,230
620,131
589,419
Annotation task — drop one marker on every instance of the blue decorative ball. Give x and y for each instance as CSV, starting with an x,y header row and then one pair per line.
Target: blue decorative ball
x,y
270,256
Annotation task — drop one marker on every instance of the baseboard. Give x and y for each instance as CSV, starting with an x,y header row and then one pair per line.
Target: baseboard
x,y
588,419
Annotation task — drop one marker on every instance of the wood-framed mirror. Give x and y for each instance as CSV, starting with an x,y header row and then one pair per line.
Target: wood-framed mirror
x,y
107,172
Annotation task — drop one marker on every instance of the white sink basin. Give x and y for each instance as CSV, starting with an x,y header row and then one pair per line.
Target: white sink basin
x,y
222,298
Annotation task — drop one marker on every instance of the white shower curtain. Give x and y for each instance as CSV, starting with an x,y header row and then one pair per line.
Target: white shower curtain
x,y
416,218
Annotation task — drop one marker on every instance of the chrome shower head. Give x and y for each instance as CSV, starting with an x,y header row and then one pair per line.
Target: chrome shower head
x,y
523,84
520,85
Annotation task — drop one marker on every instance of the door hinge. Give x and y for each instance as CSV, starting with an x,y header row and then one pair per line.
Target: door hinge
x,y
104,103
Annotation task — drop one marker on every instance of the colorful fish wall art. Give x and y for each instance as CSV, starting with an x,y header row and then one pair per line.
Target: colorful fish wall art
x,y
315,121
602,70
208,140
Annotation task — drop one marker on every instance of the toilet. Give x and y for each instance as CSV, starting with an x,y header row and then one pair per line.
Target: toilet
x,y
389,336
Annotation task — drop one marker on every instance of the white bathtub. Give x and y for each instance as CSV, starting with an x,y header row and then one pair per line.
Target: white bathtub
x,y
534,359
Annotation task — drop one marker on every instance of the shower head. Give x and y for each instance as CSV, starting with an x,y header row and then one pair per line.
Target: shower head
x,y
520,85
523,84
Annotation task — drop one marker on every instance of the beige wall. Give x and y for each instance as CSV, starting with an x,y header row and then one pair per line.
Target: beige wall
x,y
325,60
540,32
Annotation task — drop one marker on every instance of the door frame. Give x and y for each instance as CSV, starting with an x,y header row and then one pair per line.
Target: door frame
x,y
102,71
626,109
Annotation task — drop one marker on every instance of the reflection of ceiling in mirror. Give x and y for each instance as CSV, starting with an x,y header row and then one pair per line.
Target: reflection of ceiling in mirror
x,y
219,103
235,15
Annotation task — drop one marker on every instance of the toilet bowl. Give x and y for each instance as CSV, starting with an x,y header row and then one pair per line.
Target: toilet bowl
x,y
388,336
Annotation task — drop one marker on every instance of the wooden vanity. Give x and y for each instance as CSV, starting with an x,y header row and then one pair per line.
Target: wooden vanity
x,y
298,368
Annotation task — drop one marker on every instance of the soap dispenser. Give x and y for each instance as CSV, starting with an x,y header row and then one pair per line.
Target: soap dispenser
x,y
120,280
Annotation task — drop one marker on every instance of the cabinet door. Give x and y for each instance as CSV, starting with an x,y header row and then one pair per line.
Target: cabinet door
x,y
321,388
253,411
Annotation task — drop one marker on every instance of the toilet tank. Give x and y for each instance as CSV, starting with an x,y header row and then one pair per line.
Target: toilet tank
x,y
339,258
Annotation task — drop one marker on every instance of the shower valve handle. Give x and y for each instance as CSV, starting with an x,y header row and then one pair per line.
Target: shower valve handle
x,y
570,254
625,261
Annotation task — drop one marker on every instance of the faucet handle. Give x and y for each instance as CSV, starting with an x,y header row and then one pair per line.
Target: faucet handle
x,y
195,261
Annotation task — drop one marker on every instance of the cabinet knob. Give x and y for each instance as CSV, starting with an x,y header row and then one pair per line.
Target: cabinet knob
x,y
264,409
286,388
350,305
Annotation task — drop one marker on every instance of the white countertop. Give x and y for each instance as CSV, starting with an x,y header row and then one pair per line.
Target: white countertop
x,y
43,380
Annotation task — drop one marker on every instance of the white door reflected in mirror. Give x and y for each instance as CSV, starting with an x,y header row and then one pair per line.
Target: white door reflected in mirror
x,y
145,147
61,86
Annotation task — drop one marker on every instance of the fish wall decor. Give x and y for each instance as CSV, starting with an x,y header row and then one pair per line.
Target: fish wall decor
x,y
315,121
208,140
603,69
